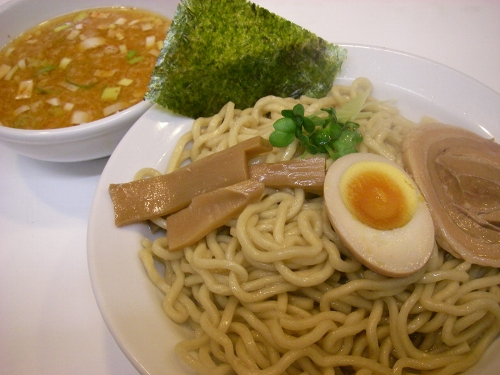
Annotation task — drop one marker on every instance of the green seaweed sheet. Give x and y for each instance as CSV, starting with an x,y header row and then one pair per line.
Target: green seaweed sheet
x,y
218,51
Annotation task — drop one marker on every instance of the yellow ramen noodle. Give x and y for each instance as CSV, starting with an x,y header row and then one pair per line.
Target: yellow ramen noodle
x,y
276,292
79,67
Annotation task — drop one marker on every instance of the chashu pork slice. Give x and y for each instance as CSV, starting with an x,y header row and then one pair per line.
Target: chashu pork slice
x,y
458,173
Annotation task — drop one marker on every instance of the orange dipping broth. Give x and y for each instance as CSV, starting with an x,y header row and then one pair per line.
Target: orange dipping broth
x,y
79,67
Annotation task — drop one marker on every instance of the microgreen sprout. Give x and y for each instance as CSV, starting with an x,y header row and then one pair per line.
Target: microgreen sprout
x,y
316,134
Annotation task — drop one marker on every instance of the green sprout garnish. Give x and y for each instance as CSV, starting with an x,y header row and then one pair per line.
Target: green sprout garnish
x,y
325,134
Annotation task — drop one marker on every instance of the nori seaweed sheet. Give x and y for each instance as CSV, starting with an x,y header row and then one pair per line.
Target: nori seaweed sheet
x,y
218,51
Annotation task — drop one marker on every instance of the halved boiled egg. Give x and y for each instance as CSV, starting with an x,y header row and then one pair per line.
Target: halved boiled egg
x,y
378,212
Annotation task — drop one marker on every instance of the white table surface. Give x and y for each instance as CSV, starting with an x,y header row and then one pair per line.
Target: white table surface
x,y
49,321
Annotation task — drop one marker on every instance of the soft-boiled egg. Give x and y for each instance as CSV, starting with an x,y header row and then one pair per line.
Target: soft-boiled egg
x,y
378,212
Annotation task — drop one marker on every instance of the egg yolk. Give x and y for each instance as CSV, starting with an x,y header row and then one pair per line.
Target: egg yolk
x,y
378,194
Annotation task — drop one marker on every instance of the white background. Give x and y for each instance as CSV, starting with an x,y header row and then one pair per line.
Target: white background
x,y
49,321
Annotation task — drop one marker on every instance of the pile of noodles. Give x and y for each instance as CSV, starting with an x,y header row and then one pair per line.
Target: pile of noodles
x,y
276,292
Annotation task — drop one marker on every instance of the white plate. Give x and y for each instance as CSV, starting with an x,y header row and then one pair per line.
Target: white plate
x,y
131,305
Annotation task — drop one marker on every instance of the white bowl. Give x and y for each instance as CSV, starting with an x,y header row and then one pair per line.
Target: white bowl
x,y
82,142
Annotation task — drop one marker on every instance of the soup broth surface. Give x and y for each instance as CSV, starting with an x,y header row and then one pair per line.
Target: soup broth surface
x,y
79,67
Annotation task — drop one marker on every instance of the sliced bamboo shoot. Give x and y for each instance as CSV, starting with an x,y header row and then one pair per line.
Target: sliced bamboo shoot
x,y
159,196
308,174
210,211
254,146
